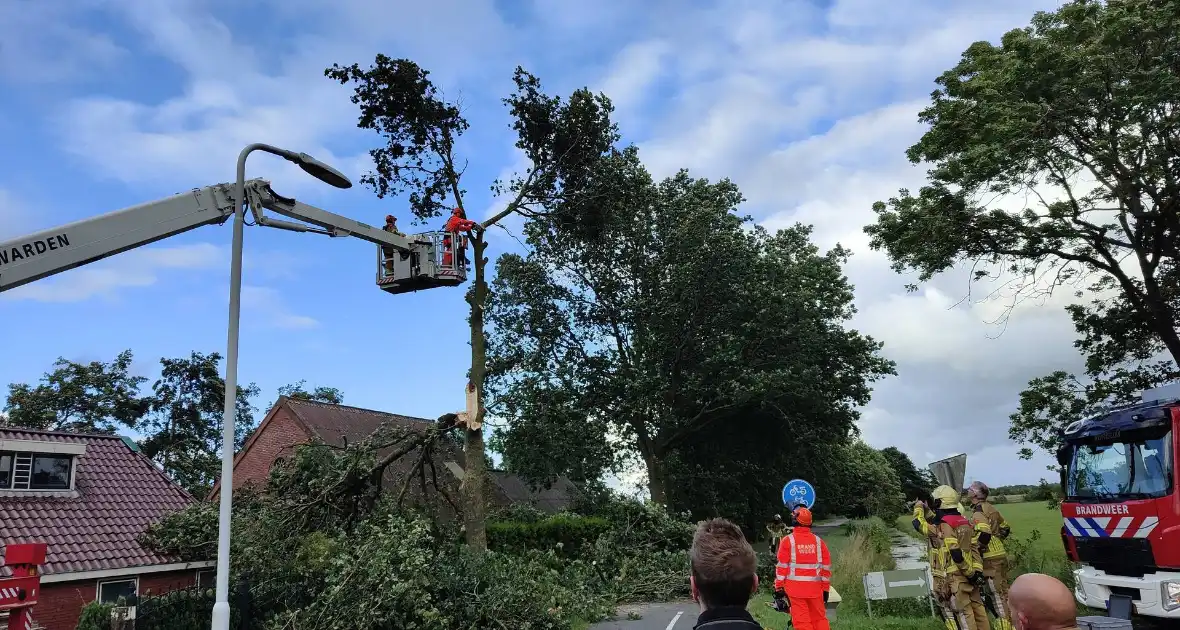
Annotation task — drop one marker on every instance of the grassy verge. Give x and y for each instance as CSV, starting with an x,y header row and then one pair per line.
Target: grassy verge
x,y
860,548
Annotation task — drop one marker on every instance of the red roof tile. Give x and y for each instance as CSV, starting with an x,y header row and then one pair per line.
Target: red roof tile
x,y
120,492
335,424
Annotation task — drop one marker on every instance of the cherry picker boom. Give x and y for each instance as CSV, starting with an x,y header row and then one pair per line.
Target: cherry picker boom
x,y
404,263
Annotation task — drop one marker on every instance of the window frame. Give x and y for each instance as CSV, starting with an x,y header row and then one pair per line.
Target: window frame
x,y
212,573
98,588
73,464
11,455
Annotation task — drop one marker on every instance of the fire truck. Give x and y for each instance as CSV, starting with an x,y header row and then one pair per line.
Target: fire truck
x,y
1121,511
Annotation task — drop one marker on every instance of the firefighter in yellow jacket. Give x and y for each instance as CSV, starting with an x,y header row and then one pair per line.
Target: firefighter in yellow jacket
x,y
990,531
964,567
924,523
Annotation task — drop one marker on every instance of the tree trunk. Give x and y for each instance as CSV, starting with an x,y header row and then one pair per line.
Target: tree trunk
x,y
474,456
655,479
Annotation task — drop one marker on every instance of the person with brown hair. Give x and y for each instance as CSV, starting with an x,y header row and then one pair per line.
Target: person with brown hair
x,y
723,575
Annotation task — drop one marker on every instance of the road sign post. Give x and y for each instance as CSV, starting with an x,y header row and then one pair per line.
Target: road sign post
x,y
902,584
798,491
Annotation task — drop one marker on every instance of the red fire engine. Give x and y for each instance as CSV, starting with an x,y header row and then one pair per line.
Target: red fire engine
x,y
1121,510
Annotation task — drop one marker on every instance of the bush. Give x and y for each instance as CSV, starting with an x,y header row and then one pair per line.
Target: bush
x,y
998,499
1026,556
95,616
1044,492
392,573
646,525
519,512
568,534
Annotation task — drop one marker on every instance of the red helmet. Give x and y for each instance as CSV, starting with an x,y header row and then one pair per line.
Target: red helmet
x,y
803,517
389,218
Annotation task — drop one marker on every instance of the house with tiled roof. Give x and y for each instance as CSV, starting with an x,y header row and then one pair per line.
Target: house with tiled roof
x,y
88,497
292,421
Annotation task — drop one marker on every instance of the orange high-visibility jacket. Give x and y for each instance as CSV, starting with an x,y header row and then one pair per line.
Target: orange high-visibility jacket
x,y
459,224
804,565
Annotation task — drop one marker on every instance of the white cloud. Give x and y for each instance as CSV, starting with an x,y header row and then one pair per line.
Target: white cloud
x,y
38,44
134,269
632,73
267,307
235,94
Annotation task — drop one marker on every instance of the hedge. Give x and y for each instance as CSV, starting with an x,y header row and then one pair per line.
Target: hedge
x,y
565,533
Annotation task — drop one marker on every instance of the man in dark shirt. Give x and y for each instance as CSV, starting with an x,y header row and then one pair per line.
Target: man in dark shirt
x,y
723,576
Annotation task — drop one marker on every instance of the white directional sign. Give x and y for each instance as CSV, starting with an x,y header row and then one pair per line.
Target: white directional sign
x,y
897,584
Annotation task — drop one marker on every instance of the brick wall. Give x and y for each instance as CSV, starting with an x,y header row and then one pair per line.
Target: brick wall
x,y
277,440
61,603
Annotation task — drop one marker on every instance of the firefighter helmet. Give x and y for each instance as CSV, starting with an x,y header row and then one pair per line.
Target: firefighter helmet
x,y
946,497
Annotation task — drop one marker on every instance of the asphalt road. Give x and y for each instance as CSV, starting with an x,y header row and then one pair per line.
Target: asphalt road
x,y
673,615
668,616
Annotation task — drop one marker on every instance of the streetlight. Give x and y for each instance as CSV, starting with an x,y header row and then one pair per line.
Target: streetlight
x,y
330,176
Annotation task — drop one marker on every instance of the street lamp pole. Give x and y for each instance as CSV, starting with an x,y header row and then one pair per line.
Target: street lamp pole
x,y
324,173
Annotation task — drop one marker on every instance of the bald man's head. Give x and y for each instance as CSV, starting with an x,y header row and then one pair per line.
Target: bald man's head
x,y
1041,602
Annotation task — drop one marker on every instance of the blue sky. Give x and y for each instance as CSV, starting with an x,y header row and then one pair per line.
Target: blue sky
x,y
807,105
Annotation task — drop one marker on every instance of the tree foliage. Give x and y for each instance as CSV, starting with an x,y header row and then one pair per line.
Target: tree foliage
x,y
1076,114
673,318
94,397
179,419
916,483
318,560
185,424
866,484
323,394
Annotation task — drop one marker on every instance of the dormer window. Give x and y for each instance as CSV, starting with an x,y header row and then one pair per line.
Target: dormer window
x,y
32,465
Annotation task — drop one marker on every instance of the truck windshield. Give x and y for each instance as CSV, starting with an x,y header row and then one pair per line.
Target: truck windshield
x,y
1127,468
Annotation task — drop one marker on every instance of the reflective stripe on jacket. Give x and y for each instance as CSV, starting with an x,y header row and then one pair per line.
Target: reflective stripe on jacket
x,y
804,566
988,520
958,538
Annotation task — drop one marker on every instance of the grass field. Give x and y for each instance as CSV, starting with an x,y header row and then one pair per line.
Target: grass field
x,y
1026,517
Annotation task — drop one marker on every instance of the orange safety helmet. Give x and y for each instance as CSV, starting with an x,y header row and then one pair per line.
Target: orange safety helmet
x,y
803,517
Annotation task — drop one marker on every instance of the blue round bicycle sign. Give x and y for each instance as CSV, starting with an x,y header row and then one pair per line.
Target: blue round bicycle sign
x,y
798,492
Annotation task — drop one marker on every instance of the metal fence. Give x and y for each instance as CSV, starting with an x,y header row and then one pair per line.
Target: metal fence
x,y
191,609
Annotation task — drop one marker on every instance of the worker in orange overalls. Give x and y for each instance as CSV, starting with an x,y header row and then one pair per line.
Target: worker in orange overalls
x,y
458,222
804,574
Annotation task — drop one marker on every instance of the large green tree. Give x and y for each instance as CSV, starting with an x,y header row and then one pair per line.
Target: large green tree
x,y
671,319
420,158
183,430
916,483
865,483
1053,159
94,397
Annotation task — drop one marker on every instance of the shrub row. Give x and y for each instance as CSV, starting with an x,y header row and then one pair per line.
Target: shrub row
x,y
567,534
